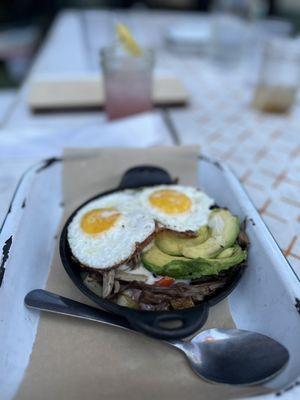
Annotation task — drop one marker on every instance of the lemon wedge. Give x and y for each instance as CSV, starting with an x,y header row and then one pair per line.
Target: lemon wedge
x,y
126,38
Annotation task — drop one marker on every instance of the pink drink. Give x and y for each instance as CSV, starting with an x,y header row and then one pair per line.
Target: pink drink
x,y
127,83
127,93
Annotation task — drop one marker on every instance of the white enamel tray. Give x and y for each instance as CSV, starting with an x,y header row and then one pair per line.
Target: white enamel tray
x,y
266,300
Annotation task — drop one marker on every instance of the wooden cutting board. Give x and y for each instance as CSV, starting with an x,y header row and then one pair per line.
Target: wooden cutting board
x,y
87,92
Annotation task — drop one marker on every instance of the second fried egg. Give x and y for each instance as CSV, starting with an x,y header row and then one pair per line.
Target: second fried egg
x,y
176,207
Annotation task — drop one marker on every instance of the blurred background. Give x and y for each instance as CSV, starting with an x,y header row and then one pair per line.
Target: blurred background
x,y
24,24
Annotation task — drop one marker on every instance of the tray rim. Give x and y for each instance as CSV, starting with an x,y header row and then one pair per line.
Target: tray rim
x,y
23,188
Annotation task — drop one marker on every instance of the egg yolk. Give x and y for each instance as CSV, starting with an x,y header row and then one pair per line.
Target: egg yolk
x,y
170,201
99,220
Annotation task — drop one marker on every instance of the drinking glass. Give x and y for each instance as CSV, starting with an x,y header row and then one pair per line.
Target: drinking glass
x,y
278,77
127,81
229,30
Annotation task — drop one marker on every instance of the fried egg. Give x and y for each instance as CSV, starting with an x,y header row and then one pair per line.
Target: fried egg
x,y
107,231
176,207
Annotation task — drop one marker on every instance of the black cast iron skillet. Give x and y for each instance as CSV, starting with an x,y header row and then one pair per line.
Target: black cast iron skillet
x,y
161,324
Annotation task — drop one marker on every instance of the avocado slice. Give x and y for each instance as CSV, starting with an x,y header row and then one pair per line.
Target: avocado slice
x,y
154,259
172,244
226,253
224,228
181,268
200,267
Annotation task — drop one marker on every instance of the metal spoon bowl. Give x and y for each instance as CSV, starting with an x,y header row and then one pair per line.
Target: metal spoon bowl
x,y
230,356
234,356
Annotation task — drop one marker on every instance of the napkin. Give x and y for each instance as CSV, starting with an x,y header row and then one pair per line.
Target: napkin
x,y
143,130
74,359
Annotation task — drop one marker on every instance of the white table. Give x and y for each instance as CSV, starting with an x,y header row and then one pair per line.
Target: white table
x,y
264,151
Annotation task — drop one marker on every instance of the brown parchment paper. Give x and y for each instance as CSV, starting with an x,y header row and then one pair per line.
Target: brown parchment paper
x,y
74,359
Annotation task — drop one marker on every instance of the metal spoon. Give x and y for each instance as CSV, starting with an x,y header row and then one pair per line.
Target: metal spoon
x,y
231,356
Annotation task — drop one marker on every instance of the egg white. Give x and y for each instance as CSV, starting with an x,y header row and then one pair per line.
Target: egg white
x,y
190,220
117,244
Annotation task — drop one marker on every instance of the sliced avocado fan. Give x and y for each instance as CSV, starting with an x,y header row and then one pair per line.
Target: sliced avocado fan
x,y
212,251
183,268
224,228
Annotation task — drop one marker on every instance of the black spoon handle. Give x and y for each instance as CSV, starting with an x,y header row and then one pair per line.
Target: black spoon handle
x,y
46,301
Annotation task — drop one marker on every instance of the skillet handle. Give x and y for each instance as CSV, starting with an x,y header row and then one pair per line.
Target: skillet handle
x,y
144,175
169,325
